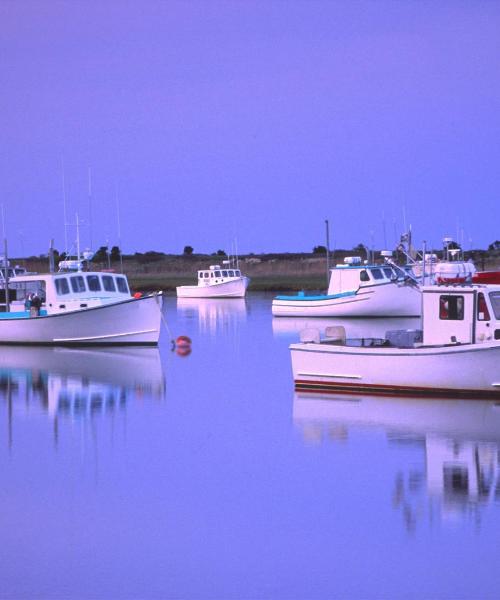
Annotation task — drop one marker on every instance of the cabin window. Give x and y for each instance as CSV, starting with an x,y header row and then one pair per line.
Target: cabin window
x,y
483,314
237,274
212,274
495,303
108,284
121,282
207,274
389,273
377,274
62,286
200,275
217,273
21,290
231,273
93,283
224,273
77,284
363,276
451,308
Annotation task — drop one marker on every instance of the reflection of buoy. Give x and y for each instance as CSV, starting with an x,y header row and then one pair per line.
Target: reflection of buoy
x,y
183,350
137,295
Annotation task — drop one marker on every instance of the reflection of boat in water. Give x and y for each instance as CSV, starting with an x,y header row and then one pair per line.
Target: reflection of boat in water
x,y
78,382
459,439
355,327
214,314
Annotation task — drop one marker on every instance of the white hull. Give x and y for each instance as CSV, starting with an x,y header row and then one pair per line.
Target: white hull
x,y
133,321
236,288
467,369
383,300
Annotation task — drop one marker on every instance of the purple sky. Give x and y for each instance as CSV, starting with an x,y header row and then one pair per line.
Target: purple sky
x,y
254,120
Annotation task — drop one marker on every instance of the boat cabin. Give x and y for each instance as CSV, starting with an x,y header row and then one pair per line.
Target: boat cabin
x,y
460,314
352,275
215,275
62,292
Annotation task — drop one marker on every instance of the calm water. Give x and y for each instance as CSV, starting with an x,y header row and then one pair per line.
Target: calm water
x,y
145,474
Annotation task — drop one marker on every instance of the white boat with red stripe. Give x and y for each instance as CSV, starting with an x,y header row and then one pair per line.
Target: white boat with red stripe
x,y
456,353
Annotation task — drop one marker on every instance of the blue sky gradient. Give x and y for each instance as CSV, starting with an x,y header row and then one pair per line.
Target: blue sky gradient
x,y
250,120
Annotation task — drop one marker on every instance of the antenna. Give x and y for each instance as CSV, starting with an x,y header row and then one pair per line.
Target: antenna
x,y
64,208
119,226
90,208
78,240
327,252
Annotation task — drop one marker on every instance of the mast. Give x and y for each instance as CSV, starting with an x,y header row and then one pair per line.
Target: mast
x,y
78,241
90,208
119,227
327,252
64,208
6,274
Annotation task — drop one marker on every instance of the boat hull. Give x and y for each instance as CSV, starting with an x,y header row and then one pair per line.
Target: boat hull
x,y
385,300
133,321
451,371
235,288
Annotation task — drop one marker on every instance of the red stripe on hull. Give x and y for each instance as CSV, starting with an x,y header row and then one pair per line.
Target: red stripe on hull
x,y
322,387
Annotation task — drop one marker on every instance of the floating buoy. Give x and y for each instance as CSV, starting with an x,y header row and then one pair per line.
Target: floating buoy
x,y
137,295
183,341
182,345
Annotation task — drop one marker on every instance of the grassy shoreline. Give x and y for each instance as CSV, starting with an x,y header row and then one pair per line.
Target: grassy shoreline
x,y
271,283
287,272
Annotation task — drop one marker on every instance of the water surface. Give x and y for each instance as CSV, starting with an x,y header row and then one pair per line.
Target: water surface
x,y
141,473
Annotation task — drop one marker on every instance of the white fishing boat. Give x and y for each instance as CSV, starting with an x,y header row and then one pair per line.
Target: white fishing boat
x,y
217,282
456,353
77,308
356,290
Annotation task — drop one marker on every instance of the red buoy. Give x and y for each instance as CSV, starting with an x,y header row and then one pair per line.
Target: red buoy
x,y
137,295
183,341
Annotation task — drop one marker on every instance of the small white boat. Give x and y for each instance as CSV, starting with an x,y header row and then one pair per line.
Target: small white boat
x,y
216,282
456,353
78,308
356,290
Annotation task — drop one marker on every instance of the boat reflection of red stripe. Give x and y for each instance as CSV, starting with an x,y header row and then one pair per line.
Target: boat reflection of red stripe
x,y
390,390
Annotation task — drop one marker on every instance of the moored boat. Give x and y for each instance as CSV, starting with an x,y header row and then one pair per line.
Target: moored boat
x,y
456,353
356,290
77,308
216,282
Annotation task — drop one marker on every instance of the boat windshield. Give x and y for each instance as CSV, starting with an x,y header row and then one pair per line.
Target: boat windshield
x,y
495,303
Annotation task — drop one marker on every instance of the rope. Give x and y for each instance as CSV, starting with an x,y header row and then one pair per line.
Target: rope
x,y
165,321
